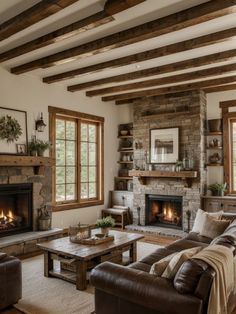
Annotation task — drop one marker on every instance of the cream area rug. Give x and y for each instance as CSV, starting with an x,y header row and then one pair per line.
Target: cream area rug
x,y
43,295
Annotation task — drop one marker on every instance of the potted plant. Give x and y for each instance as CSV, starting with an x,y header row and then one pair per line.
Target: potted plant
x,y
42,146
217,189
33,148
105,224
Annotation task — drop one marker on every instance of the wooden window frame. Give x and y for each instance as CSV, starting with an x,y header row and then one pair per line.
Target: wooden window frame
x,y
228,117
81,117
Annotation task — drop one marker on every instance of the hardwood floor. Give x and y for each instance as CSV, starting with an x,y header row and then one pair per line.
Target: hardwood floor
x,y
11,310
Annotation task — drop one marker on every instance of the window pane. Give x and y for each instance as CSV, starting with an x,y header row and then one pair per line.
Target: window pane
x,y
92,133
92,174
60,129
70,192
70,153
234,155
84,132
60,153
60,193
92,154
70,175
84,190
70,130
84,174
84,154
92,190
60,175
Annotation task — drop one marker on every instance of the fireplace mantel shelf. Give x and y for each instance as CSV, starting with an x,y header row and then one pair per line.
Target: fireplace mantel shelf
x,y
26,161
143,175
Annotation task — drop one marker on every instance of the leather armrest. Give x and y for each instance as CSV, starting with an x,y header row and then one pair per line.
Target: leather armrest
x,y
143,288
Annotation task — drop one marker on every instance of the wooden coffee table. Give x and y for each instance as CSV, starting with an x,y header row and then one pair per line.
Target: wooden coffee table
x,y
76,259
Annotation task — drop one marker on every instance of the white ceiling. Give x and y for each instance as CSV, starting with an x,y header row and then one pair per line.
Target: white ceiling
x,y
144,12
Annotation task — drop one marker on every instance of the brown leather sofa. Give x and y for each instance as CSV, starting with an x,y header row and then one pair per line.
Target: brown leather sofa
x,y
125,290
10,280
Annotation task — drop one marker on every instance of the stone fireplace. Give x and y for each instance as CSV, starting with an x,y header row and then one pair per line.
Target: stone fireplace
x,y
187,111
164,211
36,188
15,208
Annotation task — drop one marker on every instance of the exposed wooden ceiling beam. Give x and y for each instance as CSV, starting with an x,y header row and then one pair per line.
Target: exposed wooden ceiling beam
x,y
186,45
31,16
171,89
73,29
229,68
195,15
219,88
229,55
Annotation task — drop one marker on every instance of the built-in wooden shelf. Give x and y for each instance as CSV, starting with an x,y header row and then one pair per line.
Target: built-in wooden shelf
x,y
125,136
124,178
215,148
143,175
214,133
214,165
128,150
26,161
125,162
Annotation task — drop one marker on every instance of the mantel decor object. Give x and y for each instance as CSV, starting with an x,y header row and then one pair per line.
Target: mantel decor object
x,y
164,145
13,131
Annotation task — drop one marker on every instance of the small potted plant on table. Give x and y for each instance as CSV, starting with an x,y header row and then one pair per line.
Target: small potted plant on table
x,y
105,224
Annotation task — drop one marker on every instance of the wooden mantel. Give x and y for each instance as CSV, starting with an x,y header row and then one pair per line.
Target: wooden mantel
x,y
26,161
188,176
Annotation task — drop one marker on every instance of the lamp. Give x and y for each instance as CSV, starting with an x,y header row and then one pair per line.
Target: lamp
x,y
40,124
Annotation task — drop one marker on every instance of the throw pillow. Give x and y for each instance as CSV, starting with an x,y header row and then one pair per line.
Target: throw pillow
x,y
159,267
212,227
177,260
200,218
187,277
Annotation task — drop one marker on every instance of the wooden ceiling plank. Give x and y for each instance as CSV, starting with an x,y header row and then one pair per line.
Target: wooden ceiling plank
x,y
219,70
193,16
88,23
115,6
171,89
219,88
63,33
186,45
31,16
229,55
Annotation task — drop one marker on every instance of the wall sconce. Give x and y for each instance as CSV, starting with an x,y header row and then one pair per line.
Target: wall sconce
x,y
40,124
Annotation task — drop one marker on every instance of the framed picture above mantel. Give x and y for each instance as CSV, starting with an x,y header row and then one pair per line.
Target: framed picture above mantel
x,y
13,131
164,145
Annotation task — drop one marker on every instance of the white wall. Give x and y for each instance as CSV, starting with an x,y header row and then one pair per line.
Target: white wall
x,y
28,93
215,174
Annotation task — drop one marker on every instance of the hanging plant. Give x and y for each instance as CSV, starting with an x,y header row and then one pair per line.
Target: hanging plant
x,y
10,129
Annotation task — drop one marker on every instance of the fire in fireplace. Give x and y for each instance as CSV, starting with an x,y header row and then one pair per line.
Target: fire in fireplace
x,y
165,211
15,208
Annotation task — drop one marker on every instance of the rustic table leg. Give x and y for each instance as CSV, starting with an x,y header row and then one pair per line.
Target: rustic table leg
x,y
133,252
81,280
48,263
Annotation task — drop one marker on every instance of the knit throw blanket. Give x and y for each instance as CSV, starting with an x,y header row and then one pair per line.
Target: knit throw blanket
x,y
222,298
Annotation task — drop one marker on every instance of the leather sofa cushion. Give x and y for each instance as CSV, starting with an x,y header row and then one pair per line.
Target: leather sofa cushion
x,y
187,278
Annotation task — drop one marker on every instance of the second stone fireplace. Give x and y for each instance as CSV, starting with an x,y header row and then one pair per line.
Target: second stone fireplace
x,y
164,211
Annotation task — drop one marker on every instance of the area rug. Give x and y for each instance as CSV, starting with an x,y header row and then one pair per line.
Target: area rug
x,y
43,295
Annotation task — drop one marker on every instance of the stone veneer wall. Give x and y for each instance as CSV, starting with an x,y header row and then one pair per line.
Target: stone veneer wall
x,y
42,185
191,138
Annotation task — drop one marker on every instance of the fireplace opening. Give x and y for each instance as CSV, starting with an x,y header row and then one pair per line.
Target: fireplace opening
x,y
164,211
15,208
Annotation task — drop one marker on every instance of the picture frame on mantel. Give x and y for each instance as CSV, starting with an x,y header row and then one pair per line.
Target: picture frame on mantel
x,y
164,145
19,118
